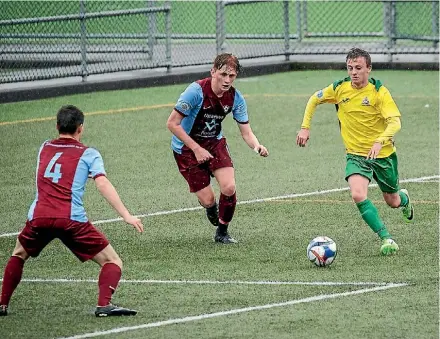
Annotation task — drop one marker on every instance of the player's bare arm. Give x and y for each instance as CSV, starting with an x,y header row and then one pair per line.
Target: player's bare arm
x,y
174,125
302,137
251,140
108,191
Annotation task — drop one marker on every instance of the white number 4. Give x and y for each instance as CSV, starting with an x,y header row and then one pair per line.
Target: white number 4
x,y
53,170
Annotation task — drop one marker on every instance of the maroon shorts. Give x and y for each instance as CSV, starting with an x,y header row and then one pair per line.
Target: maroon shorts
x,y
82,238
198,175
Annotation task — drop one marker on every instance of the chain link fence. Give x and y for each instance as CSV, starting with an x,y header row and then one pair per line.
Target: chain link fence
x,y
53,39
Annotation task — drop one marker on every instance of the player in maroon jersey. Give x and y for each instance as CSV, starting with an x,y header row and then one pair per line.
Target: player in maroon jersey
x,y
198,144
63,166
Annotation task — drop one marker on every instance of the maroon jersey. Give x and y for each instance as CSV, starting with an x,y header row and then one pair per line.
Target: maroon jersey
x,y
63,167
204,112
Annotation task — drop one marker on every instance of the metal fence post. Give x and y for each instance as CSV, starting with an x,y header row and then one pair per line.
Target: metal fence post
x,y
168,36
220,26
152,29
388,24
304,12
286,30
298,20
435,19
82,12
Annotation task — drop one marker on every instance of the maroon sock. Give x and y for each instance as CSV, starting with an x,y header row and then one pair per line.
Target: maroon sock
x,y
107,282
11,278
226,207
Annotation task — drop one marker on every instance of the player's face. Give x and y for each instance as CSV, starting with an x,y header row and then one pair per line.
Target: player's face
x,y
222,79
358,72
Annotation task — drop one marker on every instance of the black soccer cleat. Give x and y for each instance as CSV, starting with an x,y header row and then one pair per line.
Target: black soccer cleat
x,y
224,239
3,310
113,311
212,214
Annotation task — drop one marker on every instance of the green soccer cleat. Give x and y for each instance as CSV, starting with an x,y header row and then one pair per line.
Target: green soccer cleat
x,y
389,246
408,210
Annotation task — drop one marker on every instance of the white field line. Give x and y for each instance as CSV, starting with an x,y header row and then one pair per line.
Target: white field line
x,y
233,311
253,201
211,282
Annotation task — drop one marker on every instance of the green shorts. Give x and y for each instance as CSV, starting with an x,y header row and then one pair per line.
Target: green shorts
x,y
383,170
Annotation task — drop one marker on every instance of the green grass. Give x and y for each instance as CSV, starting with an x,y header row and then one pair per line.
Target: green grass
x,y
273,235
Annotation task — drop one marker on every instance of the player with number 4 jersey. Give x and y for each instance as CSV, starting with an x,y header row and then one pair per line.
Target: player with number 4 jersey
x,y
63,167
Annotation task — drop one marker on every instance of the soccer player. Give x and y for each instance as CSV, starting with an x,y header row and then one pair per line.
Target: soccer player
x,y
198,144
368,120
63,166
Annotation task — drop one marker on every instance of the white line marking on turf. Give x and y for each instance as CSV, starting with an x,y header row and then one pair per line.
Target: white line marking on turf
x,y
212,282
233,311
253,201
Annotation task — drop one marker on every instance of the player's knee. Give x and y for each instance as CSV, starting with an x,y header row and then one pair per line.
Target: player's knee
x,y
20,252
358,195
118,262
207,201
228,189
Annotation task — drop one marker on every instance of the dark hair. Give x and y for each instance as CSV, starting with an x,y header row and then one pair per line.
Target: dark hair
x,y
69,118
356,53
229,60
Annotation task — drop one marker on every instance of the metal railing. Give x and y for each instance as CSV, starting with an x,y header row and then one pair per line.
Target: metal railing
x,y
79,38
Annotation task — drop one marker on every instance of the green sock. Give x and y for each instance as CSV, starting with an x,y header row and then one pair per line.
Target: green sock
x,y
371,216
403,199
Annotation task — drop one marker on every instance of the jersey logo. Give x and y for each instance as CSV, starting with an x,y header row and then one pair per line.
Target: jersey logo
x,y
226,108
365,102
319,94
211,125
185,106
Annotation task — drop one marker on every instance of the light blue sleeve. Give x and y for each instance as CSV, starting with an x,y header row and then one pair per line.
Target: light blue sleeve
x,y
239,110
190,100
94,161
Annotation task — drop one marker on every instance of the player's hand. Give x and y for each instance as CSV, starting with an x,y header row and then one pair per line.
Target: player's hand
x,y
261,150
374,151
135,222
302,137
202,155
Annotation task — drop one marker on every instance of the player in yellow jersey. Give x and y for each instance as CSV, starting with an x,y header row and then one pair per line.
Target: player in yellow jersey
x,y
368,120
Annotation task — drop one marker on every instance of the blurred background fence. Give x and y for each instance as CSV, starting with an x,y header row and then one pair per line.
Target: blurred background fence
x,y
54,39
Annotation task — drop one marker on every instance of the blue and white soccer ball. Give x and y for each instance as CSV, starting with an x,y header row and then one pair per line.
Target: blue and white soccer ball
x,y
322,251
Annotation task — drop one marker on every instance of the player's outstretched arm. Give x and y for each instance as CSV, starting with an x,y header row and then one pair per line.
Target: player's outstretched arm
x,y
251,140
109,192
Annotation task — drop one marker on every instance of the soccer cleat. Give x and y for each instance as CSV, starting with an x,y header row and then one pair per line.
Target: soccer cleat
x,y
113,310
224,239
408,210
389,246
3,310
212,214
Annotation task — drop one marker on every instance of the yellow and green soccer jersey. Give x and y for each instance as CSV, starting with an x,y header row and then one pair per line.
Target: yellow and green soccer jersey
x,y
364,115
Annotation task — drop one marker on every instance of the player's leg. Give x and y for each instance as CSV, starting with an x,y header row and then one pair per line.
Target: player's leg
x,y
223,170
111,271
359,174
387,176
12,276
30,242
225,177
199,182
206,199
86,242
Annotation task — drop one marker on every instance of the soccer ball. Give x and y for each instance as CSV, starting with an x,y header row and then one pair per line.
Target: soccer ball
x,y
321,251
